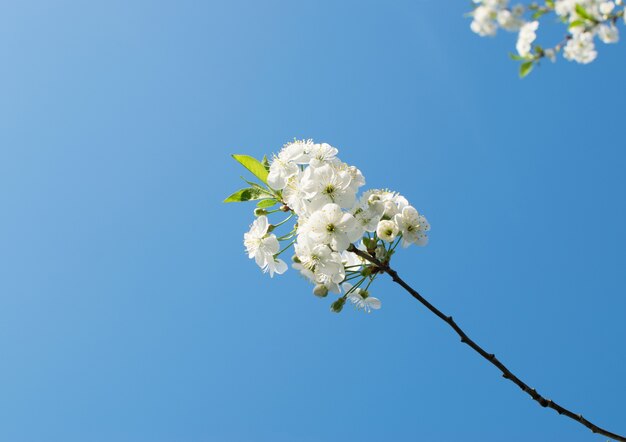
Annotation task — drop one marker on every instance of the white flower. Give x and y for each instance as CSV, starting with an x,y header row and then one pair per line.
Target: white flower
x,y
275,265
295,196
299,151
526,37
319,259
285,164
321,190
387,230
360,298
331,226
509,20
321,154
368,211
484,23
356,177
263,246
564,8
608,33
606,8
324,185
518,10
413,226
580,47
392,202
550,54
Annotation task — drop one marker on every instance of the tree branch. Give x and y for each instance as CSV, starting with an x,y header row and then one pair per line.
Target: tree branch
x,y
506,373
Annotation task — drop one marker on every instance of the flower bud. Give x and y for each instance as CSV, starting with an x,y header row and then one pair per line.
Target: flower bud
x,y
295,259
387,230
369,244
320,291
258,211
270,228
381,253
373,199
336,306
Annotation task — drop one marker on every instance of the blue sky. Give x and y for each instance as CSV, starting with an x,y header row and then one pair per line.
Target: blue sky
x,y
129,312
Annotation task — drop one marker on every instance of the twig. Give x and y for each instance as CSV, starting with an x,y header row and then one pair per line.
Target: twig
x,y
506,373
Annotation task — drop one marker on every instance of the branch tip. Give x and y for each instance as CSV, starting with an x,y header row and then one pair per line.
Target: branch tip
x,y
490,357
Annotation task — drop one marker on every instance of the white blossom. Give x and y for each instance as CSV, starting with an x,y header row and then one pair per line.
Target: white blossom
x,y
285,164
368,211
325,184
387,230
330,225
321,154
262,246
608,33
526,37
360,298
413,227
319,259
584,20
295,196
484,23
606,8
311,183
580,48
509,21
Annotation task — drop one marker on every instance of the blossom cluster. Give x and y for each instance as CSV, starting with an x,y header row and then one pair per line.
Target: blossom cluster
x,y
319,194
585,20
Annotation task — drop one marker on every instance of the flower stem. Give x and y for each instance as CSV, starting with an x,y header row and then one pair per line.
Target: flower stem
x,y
490,357
286,247
283,221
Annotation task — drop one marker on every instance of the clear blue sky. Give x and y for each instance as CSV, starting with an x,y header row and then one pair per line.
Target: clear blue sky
x,y
129,312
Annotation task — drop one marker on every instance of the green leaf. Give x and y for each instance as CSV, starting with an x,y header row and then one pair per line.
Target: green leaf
x,y
576,23
263,204
253,165
525,68
266,163
538,14
248,194
550,4
583,13
516,57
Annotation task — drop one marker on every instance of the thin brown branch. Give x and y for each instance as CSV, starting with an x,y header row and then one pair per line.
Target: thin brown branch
x,y
506,373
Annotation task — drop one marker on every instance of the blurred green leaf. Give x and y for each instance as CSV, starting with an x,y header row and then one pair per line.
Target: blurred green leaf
x,y
576,23
538,14
581,11
525,68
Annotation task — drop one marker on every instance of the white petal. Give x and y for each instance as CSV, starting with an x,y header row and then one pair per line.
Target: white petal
x,y
261,224
333,212
373,303
280,266
339,241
